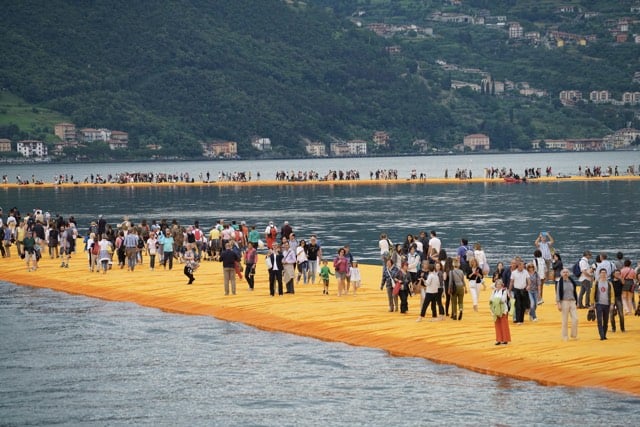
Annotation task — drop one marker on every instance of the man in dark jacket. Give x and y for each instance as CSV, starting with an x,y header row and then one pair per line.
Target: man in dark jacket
x,y
275,267
229,257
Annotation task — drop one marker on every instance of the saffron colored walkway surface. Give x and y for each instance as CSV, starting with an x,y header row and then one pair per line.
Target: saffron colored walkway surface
x,y
265,183
535,353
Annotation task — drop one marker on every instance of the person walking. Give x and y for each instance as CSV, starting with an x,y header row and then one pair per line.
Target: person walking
x,y
250,259
289,267
500,313
388,281
457,289
229,257
519,284
602,297
566,300
274,266
585,279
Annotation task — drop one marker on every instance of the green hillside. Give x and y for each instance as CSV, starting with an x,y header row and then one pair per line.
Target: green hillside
x,y
186,71
22,120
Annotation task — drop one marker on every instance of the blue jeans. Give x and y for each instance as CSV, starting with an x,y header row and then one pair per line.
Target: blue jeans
x,y
585,289
602,316
312,271
533,298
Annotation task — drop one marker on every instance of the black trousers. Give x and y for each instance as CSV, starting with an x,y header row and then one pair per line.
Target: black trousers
x,y
249,274
522,303
275,275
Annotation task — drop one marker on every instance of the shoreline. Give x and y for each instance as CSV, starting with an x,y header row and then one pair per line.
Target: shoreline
x,y
535,354
275,183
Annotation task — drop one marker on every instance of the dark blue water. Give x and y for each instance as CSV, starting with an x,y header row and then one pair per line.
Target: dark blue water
x,y
71,360
505,219
76,361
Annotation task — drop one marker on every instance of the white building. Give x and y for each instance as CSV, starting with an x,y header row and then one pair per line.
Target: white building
x,y
261,144
32,148
89,135
316,149
477,141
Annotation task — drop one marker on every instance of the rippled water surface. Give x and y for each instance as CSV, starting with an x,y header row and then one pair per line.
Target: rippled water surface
x,y
75,361
72,360
505,219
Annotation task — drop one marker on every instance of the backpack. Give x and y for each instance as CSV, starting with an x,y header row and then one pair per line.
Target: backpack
x,y
576,269
140,243
95,249
273,232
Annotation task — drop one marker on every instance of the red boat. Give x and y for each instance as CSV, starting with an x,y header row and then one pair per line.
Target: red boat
x,y
512,180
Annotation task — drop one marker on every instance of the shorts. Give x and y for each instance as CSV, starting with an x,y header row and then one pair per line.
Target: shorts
x,y
340,276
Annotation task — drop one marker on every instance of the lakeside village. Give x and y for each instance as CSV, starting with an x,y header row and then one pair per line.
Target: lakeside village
x,y
70,137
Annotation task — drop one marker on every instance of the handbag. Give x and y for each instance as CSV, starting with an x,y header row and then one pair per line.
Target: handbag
x,y
396,287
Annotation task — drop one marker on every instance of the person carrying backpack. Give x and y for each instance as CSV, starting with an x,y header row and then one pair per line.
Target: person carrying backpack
x,y
585,278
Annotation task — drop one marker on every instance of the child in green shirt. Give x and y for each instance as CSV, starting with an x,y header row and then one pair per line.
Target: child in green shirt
x,y
324,274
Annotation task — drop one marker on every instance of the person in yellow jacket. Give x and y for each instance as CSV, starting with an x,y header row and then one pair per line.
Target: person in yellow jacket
x,y
603,299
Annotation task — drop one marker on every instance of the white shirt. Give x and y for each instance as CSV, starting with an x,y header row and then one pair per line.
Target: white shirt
x,y
584,267
519,279
435,244
384,246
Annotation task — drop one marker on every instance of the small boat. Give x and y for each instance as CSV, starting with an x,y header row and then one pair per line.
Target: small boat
x,y
512,180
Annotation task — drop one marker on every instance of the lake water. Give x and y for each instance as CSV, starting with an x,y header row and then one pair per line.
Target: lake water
x,y
75,361
72,360
432,166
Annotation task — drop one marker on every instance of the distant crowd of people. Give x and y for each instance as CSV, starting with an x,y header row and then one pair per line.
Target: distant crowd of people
x,y
421,266
309,175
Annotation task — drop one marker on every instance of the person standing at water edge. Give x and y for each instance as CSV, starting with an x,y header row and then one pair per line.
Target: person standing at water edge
x,y
500,313
602,297
566,299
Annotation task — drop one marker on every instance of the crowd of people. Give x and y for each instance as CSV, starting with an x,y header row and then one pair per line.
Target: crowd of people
x,y
309,175
419,266
290,260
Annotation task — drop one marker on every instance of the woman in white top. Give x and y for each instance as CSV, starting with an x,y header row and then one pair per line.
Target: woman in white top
x,y
481,257
302,261
385,247
432,284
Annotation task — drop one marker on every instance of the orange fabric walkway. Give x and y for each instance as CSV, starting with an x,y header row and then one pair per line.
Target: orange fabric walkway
x,y
536,352
271,183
